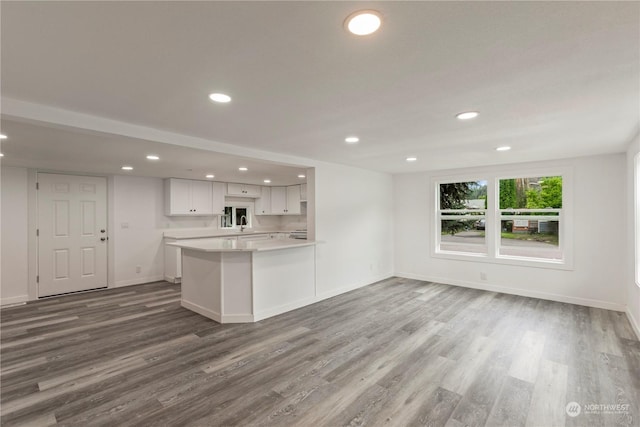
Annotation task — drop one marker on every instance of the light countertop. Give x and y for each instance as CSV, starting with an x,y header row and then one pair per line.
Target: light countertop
x,y
199,233
221,245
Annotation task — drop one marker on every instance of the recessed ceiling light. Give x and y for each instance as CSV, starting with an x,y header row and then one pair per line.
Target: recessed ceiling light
x,y
211,176
1,155
243,169
411,159
467,115
301,176
351,139
219,97
153,157
127,168
267,181
3,136
504,148
363,22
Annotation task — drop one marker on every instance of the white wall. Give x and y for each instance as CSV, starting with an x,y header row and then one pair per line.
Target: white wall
x,y
13,235
353,211
136,235
600,243
633,290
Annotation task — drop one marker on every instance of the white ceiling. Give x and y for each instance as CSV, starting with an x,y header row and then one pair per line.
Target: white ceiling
x,y
550,79
72,150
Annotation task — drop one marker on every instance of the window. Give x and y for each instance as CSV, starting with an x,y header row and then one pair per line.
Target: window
x,y
519,219
530,217
236,216
462,216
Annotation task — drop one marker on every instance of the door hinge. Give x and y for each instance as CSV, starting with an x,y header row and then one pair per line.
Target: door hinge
x,y
37,185
37,279
37,232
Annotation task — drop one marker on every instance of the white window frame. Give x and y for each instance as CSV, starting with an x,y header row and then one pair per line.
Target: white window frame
x,y
234,206
441,214
493,219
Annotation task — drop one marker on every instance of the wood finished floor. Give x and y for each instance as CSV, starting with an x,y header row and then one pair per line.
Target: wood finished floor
x,y
398,353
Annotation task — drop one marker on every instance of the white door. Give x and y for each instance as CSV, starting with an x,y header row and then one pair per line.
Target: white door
x,y
72,233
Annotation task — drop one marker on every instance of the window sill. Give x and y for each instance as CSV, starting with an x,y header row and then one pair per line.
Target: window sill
x,y
504,260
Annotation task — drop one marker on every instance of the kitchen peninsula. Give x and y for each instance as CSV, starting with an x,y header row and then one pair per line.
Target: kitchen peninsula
x,y
234,281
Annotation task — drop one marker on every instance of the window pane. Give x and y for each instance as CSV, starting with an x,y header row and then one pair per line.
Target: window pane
x,y
463,195
463,236
531,193
226,220
241,216
530,238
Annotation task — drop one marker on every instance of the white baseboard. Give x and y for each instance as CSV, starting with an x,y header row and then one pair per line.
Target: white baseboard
x,y
14,300
634,323
522,292
335,292
172,279
238,318
201,310
138,280
274,311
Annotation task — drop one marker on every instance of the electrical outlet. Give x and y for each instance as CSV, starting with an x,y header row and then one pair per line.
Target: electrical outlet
x,y
483,275
124,225
138,269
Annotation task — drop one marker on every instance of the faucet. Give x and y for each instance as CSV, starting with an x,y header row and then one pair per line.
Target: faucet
x,y
243,224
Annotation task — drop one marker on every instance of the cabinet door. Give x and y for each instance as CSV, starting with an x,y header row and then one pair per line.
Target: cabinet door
x,y
263,203
252,191
293,200
278,200
201,198
219,190
179,196
303,192
234,189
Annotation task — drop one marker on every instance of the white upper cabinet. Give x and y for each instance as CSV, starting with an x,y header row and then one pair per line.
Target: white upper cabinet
x,y
263,203
285,200
243,190
303,192
219,191
187,197
278,200
293,200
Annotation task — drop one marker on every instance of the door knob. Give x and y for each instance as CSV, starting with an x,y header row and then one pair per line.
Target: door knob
x,y
103,239
102,231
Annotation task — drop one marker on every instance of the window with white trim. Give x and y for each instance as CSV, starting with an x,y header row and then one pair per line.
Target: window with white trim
x,y
508,219
530,213
235,217
462,208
